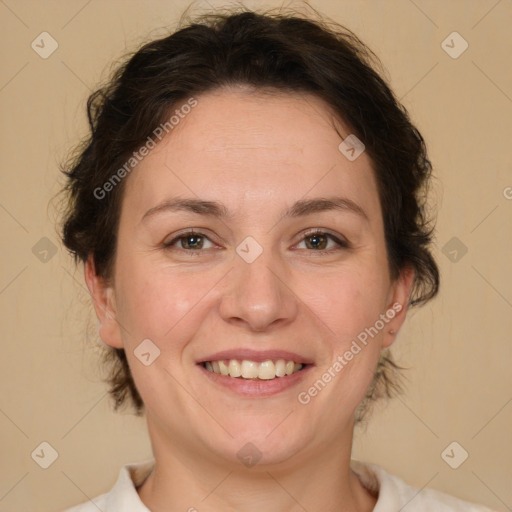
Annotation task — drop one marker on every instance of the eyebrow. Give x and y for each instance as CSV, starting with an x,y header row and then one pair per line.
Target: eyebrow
x,y
300,208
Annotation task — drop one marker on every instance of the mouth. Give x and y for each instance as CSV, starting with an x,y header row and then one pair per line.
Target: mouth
x,y
251,373
253,370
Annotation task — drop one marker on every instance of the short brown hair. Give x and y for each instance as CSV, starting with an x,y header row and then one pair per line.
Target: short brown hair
x,y
281,52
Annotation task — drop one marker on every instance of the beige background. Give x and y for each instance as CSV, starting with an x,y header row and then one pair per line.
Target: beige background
x,y
458,347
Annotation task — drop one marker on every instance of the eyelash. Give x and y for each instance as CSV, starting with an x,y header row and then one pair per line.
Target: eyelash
x,y
195,252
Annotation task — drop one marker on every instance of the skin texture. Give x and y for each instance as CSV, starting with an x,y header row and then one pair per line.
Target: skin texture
x,y
257,154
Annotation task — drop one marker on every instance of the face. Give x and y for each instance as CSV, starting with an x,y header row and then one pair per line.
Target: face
x,y
269,273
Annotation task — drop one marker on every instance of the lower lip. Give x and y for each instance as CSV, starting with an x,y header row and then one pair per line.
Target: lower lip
x,y
257,387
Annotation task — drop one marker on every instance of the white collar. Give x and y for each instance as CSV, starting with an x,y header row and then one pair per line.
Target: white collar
x,y
393,493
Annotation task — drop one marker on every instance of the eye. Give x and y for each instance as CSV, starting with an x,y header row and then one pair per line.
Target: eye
x,y
189,241
319,241
316,240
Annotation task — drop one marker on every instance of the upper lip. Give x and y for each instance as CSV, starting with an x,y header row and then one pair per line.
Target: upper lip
x,y
256,355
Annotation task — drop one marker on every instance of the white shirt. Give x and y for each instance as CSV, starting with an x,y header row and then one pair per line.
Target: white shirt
x,y
394,494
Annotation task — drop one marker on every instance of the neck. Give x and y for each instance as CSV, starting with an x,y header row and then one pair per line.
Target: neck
x,y
184,480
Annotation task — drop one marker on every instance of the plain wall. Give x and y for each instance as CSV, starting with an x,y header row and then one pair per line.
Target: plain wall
x,y
458,347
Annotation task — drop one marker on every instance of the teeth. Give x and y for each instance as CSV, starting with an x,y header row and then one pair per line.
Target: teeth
x,y
250,369
224,370
267,370
234,369
280,368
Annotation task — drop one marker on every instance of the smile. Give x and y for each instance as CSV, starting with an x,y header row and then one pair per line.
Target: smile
x,y
247,369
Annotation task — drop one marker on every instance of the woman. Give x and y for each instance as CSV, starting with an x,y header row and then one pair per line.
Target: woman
x,y
249,211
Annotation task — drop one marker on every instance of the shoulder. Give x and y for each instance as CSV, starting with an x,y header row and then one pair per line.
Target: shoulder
x,y
123,497
395,494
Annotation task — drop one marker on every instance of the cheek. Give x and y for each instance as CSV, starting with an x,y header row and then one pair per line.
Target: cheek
x,y
159,303
349,300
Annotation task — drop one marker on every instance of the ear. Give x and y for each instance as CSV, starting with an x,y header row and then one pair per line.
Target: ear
x,y
398,301
104,305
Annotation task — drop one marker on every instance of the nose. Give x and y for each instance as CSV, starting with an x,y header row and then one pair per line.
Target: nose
x,y
258,295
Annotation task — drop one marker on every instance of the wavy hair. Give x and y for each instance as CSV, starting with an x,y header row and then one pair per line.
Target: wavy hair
x,y
281,52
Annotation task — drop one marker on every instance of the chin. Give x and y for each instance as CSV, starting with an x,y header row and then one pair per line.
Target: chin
x,y
260,445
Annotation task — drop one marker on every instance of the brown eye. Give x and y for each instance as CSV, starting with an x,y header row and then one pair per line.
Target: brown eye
x,y
190,241
318,241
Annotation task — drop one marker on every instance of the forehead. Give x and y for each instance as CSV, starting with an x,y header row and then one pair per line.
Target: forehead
x,y
249,149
